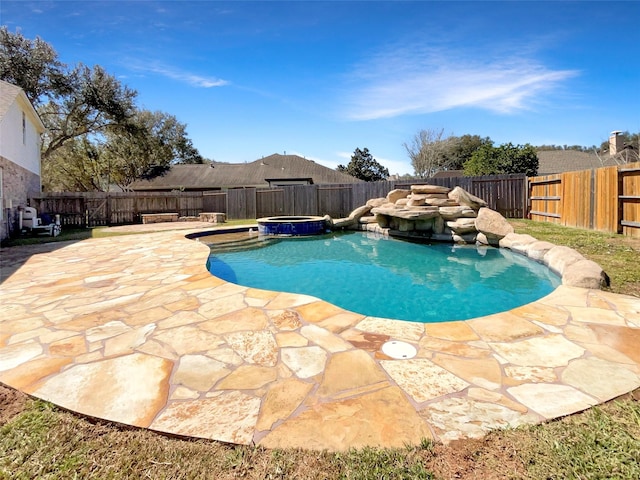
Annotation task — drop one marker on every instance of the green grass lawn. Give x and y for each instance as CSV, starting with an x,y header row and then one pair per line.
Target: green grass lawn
x,y
616,254
39,440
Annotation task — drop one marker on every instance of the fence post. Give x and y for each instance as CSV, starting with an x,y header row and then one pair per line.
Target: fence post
x,y
108,209
526,207
620,193
592,200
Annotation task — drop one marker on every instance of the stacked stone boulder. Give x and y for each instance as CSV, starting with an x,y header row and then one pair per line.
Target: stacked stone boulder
x,y
438,213
454,215
575,270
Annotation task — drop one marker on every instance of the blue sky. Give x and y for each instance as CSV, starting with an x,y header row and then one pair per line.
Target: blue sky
x,y
320,79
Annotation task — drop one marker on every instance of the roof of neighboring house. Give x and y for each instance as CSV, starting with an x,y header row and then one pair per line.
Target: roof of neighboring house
x,y
10,94
558,161
253,174
448,174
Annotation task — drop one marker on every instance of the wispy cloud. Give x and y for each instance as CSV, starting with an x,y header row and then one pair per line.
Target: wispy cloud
x,y
189,78
180,75
414,80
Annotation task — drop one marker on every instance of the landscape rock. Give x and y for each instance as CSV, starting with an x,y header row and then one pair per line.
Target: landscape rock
x,y
492,224
386,209
350,222
482,239
462,197
485,240
376,202
343,223
382,220
405,225
359,212
538,249
560,257
405,213
424,225
431,195
438,224
424,208
462,225
464,238
441,202
585,274
394,195
429,189
416,200
517,242
451,213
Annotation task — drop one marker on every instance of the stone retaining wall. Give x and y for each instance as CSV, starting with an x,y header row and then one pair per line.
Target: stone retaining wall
x,y
213,217
158,217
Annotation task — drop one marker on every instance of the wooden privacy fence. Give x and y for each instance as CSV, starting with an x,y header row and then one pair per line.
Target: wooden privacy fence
x,y
91,209
504,193
605,199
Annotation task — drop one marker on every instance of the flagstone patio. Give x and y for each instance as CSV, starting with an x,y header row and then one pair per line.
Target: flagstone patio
x,y
135,330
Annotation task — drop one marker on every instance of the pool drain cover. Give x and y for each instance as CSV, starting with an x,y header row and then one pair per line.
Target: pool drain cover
x,y
399,350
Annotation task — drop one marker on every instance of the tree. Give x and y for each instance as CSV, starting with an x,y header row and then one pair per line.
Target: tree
x,y
76,166
32,65
97,102
93,128
142,149
71,102
146,147
505,159
428,152
461,148
364,167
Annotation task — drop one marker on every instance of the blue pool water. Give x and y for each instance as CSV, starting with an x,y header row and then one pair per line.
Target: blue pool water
x,y
386,277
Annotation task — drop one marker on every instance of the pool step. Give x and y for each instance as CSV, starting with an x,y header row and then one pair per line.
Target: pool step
x,y
239,245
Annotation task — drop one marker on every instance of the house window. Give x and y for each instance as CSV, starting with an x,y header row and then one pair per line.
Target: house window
x,y
24,129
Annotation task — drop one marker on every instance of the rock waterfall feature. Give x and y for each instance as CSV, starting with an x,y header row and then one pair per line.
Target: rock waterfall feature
x,y
441,214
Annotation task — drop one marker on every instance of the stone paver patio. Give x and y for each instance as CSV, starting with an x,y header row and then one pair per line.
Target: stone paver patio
x,y
135,330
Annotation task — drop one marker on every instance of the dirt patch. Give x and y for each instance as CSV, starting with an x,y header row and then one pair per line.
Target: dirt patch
x,y
490,458
12,403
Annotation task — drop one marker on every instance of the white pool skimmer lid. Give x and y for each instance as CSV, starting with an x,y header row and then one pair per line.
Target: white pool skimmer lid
x,y
399,350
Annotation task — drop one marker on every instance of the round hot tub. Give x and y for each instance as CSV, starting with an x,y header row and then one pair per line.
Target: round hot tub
x,y
291,226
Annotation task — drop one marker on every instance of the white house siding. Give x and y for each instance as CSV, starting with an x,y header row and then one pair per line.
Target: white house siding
x,y
25,153
19,154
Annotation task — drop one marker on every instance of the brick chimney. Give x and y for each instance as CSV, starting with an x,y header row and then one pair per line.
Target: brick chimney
x,y
616,145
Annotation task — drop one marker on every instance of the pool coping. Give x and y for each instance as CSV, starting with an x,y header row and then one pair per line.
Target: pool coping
x,y
135,330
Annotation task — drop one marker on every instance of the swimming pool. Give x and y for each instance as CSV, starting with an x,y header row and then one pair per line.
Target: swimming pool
x,y
386,277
